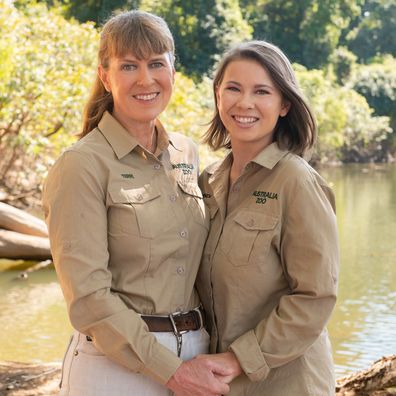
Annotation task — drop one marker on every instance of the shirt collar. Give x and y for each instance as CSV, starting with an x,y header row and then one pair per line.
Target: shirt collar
x,y
270,156
123,142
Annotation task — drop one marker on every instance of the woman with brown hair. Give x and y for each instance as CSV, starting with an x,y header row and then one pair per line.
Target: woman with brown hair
x,y
127,226
269,271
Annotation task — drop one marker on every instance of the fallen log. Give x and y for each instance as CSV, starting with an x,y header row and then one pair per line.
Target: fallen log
x,y
20,246
378,380
29,379
14,219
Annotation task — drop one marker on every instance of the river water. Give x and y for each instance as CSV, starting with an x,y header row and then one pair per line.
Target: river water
x,y
34,325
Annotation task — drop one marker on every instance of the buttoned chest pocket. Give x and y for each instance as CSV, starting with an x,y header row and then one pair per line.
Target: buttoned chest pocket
x,y
196,206
139,211
247,237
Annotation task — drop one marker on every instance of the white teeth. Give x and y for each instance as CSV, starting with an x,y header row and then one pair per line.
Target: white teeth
x,y
245,120
146,96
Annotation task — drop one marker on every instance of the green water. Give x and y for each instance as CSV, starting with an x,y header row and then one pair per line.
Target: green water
x,y
34,325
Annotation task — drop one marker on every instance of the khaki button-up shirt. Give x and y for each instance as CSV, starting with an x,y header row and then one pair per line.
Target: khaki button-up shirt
x,y
269,273
127,229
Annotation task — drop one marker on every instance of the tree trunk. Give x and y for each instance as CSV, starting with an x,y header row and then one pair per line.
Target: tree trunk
x,y
19,246
17,220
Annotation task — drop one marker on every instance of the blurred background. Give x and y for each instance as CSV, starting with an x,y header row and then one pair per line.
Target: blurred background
x,y
343,52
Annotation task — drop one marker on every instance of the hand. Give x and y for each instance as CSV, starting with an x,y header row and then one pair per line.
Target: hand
x,y
226,365
196,378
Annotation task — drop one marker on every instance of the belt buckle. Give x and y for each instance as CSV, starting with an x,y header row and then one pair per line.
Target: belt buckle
x,y
176,331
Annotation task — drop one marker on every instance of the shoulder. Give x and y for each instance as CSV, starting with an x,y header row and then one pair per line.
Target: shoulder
x,y
302,176
182,142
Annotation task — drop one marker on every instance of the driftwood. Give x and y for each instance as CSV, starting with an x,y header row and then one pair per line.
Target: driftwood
x,y
28,379
19,246
22,235
378,380
17,220
24,379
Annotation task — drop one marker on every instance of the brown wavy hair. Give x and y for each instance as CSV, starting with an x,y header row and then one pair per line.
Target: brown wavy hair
x,y
136,32
296,131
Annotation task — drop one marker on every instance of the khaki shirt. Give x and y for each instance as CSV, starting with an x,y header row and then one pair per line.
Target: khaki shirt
x,y
269,273
127,230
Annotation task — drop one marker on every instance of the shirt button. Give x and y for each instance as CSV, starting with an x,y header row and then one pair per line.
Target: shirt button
x,y
139,197
157,166
250,223
173,197
180,270
183,233
75,353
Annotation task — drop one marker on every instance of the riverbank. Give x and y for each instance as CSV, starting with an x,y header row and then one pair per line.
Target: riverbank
x,y
29,379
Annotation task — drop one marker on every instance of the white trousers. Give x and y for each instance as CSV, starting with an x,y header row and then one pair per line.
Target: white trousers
x,y
87,372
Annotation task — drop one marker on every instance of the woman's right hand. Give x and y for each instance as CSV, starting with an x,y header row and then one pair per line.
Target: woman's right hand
x,y
199,377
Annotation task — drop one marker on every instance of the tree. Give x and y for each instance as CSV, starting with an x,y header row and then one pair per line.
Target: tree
x,y
48,65
202,30
308,31
374,30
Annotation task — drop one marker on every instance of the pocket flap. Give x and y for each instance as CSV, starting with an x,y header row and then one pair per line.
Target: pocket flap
x,y
138,195
251,220
191,189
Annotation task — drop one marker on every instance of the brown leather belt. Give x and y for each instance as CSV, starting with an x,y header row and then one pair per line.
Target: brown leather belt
x,y
179,322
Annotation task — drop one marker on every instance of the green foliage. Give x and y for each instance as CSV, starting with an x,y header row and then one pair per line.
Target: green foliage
x,y
348,129
377,83
48,64
343,62
374,31
307,30
202,30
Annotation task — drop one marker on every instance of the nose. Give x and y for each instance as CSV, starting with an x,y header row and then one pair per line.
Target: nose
x,y
144,76
246,101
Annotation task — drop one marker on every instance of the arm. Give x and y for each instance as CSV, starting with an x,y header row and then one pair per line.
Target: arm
x,y
76,215
309,255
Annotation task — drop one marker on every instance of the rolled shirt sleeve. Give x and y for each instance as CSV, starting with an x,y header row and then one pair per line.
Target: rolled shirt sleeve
x,y
309,255
76,214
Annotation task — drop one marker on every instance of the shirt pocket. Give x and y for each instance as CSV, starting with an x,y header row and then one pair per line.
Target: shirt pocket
x,y
248,237
194,199
139,211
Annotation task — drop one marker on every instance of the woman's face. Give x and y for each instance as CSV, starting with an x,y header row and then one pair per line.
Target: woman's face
x,y
141,89
249,104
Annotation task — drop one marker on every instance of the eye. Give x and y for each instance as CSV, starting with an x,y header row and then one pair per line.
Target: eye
x,y
232,89
128,67
262,92
156,65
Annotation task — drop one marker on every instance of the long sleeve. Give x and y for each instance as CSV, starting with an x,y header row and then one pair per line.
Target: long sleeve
x,y
309,255
76,214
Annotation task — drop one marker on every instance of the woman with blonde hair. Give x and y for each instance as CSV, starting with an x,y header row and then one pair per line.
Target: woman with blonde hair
x,y
127,226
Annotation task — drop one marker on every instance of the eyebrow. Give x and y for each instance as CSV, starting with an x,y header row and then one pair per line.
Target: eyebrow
x,y
156,59
256,86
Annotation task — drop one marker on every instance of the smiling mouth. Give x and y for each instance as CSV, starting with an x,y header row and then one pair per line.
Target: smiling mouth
x,y
146,97
245,120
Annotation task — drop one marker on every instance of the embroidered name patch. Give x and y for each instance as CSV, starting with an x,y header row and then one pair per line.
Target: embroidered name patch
x,y
262,196
127,175
185,168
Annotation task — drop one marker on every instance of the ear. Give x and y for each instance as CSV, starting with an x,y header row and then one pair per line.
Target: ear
x,y
285,108
103,75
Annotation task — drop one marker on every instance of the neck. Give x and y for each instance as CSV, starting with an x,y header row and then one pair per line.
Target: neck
x,y
144,132
242,154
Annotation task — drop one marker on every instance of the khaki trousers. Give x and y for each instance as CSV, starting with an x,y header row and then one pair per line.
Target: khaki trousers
x,y
87,372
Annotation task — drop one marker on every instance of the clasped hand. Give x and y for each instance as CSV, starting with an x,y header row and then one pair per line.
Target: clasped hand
x,y
205,375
